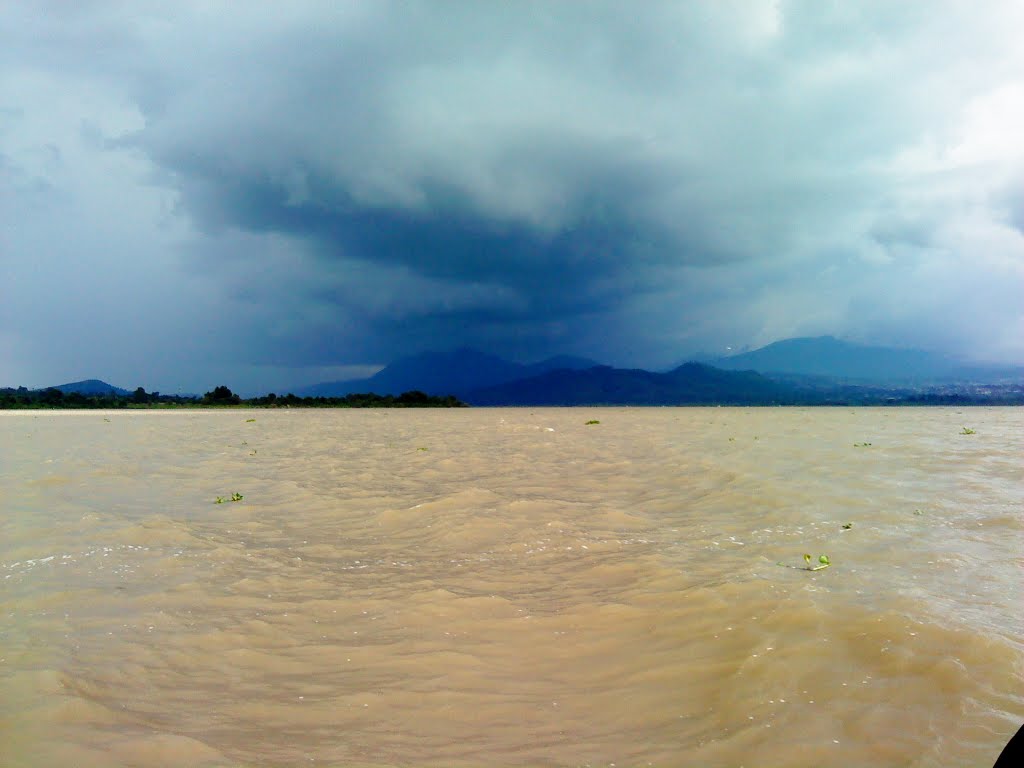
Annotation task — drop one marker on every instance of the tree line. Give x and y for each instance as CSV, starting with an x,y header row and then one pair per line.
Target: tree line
x,y
219,397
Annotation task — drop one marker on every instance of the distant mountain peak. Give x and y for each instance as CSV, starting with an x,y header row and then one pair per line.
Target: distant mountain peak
x,y
689,384
89,387
446,372
838,358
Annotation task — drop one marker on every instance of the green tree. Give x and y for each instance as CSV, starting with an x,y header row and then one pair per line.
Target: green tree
x,y
221,396
53,396
414,397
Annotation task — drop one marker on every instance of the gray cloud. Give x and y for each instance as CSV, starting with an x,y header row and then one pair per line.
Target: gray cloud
x,y
297,187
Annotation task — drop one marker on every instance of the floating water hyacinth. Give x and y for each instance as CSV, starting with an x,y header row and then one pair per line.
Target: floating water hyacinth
x,y
823,562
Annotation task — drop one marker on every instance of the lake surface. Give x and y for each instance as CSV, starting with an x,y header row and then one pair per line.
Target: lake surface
x,y
510,587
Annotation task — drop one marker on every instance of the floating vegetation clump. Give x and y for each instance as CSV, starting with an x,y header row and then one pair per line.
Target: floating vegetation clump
x,y
249,421
861,445
847,526
823,562
592,421
967,431
233,497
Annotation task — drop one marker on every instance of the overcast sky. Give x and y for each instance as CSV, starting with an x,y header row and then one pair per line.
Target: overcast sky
x,y
266,194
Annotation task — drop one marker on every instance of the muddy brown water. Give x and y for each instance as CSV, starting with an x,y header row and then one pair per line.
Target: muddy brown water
x,y
510,587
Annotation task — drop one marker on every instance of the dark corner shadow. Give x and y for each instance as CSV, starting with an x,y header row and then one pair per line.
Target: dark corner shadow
x,y
1013,753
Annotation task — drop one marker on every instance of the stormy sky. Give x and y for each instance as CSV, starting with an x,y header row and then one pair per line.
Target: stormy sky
x,y
269,194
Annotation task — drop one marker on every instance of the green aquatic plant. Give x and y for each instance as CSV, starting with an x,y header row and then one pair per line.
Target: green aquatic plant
x,y
967,431
592,421
233,497
861,445
847,526
422,448
823,562
249,421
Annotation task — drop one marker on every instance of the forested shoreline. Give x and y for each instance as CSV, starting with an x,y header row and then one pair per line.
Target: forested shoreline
x,y
219,397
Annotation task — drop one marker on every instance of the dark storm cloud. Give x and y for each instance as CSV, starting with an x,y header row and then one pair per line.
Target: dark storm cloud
x,y
316,185
445,238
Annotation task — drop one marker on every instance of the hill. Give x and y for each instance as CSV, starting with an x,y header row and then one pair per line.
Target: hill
x,y
837,359
443,373
89,387
689,384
